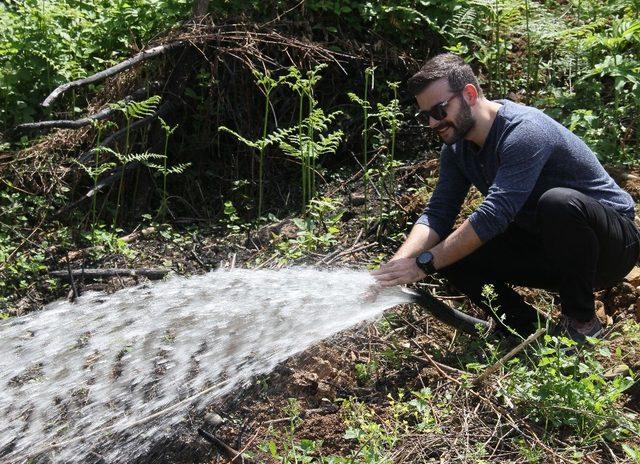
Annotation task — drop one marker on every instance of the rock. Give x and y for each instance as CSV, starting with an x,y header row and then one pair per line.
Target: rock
x,y
634,276
616,371
602,314
213,420
264,235
638,310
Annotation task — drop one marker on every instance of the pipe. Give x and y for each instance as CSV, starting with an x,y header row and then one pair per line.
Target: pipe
x,y
444,313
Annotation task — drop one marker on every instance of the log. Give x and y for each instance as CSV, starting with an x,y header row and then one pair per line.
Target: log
x,y
151,274
126,64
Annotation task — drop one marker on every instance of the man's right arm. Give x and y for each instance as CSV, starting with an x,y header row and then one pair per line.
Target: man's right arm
x,y
421,238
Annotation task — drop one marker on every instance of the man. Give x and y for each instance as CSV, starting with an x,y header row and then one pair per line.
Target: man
x,y
551,218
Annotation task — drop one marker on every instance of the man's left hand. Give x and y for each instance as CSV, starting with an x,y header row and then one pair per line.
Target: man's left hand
x,y
398,272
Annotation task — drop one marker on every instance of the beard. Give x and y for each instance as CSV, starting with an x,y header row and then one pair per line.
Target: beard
x,y
462,124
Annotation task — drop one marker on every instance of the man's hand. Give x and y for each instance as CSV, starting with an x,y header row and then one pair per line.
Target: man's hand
x,y
398,272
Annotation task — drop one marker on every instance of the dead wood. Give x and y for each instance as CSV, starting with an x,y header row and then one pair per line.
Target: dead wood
x,y
126,64
151,274
228,452
200,8
74,289
525,343
105,113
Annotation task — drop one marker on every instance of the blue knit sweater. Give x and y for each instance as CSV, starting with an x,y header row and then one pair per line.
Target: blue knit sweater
x,y
525,154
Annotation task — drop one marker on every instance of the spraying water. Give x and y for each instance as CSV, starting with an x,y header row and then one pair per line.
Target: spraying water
x,y
124,368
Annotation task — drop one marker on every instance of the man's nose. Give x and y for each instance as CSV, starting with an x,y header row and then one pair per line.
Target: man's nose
x,y
433,122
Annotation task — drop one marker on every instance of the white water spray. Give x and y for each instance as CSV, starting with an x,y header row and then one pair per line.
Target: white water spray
x,y
100,367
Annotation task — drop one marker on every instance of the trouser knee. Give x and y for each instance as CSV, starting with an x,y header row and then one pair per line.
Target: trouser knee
x,y
558,206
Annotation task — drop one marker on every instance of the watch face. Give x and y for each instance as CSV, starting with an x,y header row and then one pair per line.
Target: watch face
x,y
425,257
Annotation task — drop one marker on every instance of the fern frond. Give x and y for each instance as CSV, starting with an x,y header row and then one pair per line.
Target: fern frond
x,y
138,157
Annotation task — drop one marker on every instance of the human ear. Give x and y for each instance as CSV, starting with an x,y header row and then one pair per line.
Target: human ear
x,y
470,94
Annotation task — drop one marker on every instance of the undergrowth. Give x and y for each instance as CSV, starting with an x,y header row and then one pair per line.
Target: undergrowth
x,y
570,397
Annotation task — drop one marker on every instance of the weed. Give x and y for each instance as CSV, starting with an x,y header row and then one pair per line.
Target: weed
x,y
132,110
365,372
318,232
570,391
267,85
179,169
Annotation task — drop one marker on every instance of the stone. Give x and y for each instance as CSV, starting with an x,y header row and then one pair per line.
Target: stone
x,y
212,419
621,369
634,276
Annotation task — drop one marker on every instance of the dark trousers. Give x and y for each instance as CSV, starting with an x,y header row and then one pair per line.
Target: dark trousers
x,y
581,246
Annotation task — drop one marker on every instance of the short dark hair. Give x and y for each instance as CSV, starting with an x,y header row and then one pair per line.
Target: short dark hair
x,y
457,72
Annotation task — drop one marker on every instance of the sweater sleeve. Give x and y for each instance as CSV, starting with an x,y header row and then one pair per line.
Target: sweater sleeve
x,y
522,154
445,202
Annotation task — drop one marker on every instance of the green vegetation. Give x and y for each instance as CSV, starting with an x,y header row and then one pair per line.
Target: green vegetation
x,y
566,394
241,148
45,43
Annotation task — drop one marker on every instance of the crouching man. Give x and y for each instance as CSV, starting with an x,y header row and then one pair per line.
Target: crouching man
x,y
551,218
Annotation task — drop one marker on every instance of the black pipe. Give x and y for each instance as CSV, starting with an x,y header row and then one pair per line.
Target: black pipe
x,y
228,452
444,313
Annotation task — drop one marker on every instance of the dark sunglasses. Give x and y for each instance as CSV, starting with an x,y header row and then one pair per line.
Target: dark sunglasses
x,y
437,111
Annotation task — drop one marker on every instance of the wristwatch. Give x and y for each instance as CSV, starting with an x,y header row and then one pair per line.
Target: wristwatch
x,y
425,262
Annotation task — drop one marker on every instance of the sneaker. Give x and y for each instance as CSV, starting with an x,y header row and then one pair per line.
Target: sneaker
x,y
576,330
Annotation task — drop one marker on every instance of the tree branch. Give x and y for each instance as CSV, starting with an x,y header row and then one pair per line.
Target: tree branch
x,y
78,123
143,55
152,274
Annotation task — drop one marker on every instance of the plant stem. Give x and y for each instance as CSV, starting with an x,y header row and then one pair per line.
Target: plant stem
x,y
95,178
302,153
310,155
164,176
394,128
262,147
124,166
365,134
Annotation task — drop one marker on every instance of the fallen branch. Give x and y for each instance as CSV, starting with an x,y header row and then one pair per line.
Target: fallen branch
x,y
352,251
500,411
152,274
143,55
228,452
74,289
494,367
78,123
336,253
